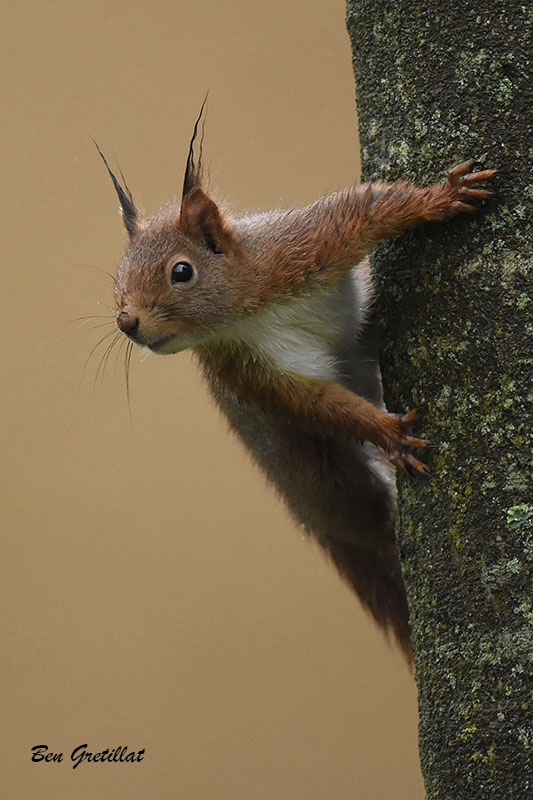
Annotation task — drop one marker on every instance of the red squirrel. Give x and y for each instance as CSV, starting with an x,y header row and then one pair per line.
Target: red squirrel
x,y
274,306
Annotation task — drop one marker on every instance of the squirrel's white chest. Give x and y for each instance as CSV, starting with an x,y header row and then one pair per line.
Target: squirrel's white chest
x,y
307,336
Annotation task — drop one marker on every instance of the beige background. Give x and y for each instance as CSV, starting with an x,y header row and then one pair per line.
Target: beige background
x,y
156,594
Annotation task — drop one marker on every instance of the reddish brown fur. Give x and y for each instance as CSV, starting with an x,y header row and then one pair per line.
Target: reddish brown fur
x,y
304,431
311,402
314,246
291,253
201,219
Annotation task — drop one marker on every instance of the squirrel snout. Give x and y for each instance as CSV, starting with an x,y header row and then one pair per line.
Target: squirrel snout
x,y
127,323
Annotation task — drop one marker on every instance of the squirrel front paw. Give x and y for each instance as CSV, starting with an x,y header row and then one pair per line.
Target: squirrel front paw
x,y
457,195
400,453
459,187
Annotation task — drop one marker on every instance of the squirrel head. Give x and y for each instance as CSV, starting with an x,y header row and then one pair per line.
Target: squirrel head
x,y
177,283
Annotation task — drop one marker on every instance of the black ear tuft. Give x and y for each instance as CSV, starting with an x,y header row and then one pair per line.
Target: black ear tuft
x,y
193,170
127,206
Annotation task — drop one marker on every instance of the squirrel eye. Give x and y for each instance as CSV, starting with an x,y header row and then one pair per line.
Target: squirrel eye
x,y
181,272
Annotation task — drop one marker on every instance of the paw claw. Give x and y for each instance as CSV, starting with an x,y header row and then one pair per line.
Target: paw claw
x,y
401,455
456,173
482,175
414,466
408,419
475,194
460,180
458,206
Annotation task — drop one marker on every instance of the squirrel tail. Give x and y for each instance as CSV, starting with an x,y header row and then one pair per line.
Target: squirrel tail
x,y
376,578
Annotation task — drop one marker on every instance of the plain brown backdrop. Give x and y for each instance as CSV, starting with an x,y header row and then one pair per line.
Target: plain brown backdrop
x,y
155,592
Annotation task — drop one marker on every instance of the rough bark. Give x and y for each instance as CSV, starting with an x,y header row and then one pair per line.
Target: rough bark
x,y
439,82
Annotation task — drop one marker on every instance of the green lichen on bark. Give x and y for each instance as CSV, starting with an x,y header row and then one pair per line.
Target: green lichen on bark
x,y
437,83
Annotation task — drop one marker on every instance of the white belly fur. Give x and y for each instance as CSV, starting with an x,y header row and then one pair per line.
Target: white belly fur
x,y
305,336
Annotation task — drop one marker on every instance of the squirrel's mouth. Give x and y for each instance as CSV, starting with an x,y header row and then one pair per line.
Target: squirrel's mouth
x,y
173,343
159,344
169,344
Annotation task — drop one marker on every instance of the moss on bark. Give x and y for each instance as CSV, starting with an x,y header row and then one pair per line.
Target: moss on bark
x,y
439,82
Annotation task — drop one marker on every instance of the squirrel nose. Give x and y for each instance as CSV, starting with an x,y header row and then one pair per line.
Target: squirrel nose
x,y
127,324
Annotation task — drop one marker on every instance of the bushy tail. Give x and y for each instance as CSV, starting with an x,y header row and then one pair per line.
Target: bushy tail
x,y
376,578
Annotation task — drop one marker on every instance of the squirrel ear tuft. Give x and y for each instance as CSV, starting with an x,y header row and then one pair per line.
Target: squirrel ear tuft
x,y
193,169
201,219
130,215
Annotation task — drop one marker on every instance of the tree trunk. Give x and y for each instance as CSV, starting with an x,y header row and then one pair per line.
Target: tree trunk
x,y
439,82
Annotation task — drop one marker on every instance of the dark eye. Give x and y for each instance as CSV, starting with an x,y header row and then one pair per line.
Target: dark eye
x,y
181,272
